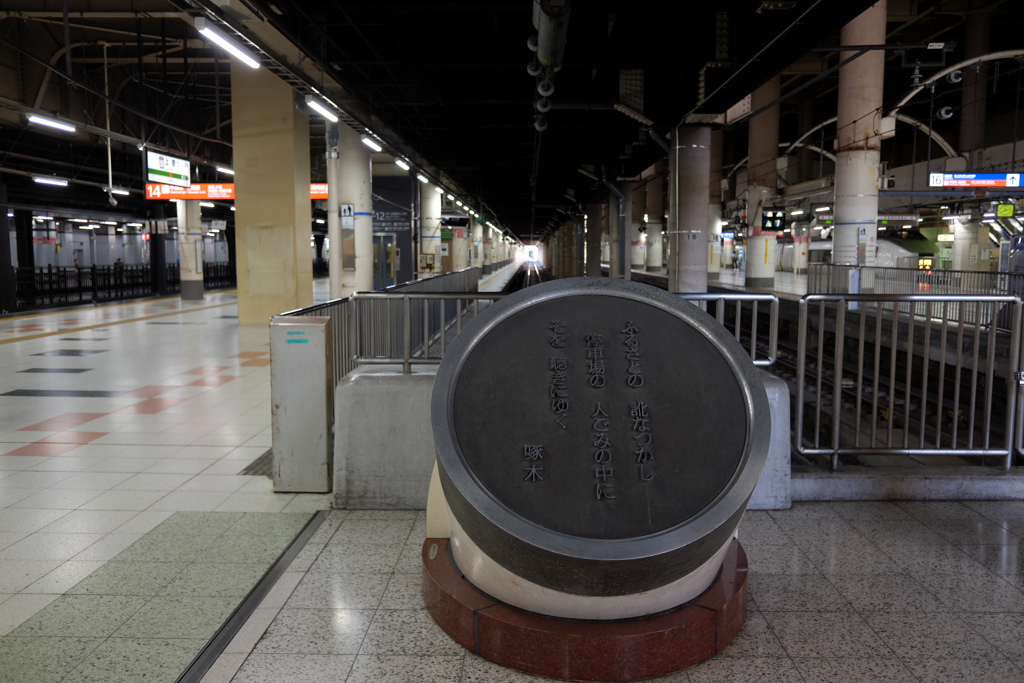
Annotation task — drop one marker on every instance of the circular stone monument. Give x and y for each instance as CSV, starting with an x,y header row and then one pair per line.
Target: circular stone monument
x,y
597,443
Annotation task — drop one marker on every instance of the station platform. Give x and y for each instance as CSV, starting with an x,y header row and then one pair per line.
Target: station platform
x,y
788,286
131,528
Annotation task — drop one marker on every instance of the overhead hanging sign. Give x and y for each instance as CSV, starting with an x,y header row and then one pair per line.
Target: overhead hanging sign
x,y
318,190
195,191
163,168
974,179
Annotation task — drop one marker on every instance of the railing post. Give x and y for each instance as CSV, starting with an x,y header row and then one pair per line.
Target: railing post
x,y
406,334
801,368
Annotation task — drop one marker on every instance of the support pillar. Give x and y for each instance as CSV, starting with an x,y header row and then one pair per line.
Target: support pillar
x,y
355,187
593,239
190,250
971,245
858,144
273,220
612,212
430,226
7,299
606,237
476,245
636,207
485,250
654,207
460,245
762,181
690,172
973,98
334,260
715,207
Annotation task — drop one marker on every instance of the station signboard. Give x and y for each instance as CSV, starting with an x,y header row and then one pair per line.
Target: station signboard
x,y
195,191
974,179
167,170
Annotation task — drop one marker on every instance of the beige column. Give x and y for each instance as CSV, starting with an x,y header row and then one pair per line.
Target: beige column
x,y
634,219
273,213
430,226
593,239
655,210
355,188
460,257
190,249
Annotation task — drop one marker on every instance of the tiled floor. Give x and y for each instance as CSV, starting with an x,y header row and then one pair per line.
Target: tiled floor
x,y
839,592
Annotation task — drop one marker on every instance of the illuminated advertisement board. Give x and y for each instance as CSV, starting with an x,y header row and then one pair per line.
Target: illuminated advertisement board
x,y
168,170
195,191
974,179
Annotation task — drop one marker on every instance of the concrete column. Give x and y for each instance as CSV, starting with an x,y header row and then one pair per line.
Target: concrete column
x,y
430,225
973,93
273,213
593,239
476,245
606,237
655,210
858,144
485,250
689,175
637,205
971,245
355,186
763,143
759,258
7,298
460,259
334,265
715,206
612,211
190,249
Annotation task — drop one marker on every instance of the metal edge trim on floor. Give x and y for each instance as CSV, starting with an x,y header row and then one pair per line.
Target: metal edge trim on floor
x,y
220,640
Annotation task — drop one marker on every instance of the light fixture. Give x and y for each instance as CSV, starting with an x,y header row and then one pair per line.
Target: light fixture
x,y
950,218
208,205
232,208
134,225
44,218
313,104
320,221
117,190
450,197
92,226
422,178
798,212
400,163
822,208
52,123
59,182
120,230
371,143
228,171
439,190
79,220
10,214
989,215
231,46
107,223
458,203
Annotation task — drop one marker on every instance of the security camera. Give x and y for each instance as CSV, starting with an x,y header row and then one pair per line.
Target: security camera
x,y
110,198
955,76
945,113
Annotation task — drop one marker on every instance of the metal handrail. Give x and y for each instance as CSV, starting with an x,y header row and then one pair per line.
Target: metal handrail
x,y
982,373
738,299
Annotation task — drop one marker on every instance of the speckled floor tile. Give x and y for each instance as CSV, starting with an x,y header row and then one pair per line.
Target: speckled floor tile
x,y
860,557
973,532
318,541
1000,559
795,593
826,634
306,668
852,670
359,558
743,671
81,616
404,591
362,531
220,580
886,593
411,560
17,609
320,589
778,559
316,631
869,510
125,660
755,639
975,593
129,578
975,670
931,510
166,547
400,669
1003,631
42,660
407,632
934,559
178,618
938,635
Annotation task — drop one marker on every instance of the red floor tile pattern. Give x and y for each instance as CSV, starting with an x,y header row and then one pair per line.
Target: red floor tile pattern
x,y
77,438
149,391
62,422
47,450
250,354
212,381
256,363
206,370
151,406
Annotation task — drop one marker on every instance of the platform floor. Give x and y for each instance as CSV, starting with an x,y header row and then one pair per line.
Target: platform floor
x,y
114,418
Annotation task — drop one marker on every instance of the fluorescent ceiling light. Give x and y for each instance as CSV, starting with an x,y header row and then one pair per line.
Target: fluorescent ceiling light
x,y
400,163
231,46
90,227
312,103
120,229
134,225
439,190
822,208
422,178
10,214
232,208
950,218
51,181
990,215
229,171
458,203
371,143
108,223
79,220
52,123
450,197
798,212
118,190
44,218
208,205
320,221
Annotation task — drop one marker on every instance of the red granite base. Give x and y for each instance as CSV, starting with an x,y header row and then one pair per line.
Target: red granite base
x,y
568,649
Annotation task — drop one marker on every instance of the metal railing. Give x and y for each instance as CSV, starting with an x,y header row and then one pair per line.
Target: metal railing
x,y
342,314
735,325
879,357
409,328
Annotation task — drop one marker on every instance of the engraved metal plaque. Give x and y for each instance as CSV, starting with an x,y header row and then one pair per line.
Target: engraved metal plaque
x,y
598,436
